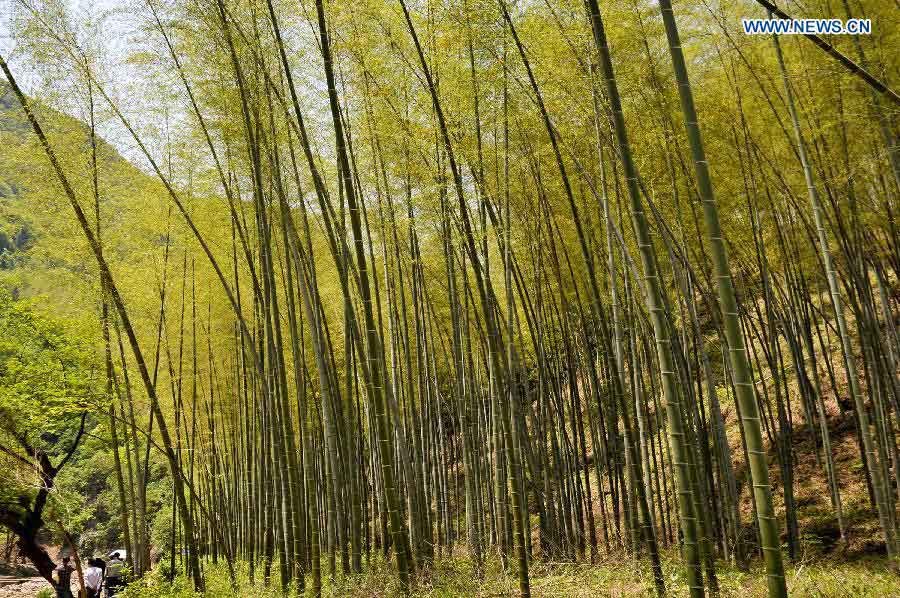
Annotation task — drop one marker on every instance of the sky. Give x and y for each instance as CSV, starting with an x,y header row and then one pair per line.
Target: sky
x,y
114,35
5,18
121,81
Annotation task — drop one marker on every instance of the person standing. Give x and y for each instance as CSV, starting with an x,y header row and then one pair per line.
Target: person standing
x,y
114,570
93,579
102,564
63,578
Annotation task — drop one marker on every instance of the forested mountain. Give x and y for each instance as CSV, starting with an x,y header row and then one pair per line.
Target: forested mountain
x,y
16,165
10,243
472,297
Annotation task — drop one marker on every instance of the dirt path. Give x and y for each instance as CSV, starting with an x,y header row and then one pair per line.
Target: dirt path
x,y
21,587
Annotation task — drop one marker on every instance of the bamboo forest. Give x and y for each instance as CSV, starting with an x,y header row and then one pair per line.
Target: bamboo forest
x,y
449,298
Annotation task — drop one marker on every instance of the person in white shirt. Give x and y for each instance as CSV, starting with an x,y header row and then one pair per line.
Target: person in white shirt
x,y
93,579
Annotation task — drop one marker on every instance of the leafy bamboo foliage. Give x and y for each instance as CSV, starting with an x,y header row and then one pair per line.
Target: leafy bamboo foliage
x,y
381,284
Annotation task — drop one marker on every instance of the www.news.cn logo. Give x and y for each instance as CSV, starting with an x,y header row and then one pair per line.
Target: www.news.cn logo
x,y
807,26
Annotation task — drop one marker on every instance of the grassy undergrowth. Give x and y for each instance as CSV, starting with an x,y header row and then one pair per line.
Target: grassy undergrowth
x,y
863,577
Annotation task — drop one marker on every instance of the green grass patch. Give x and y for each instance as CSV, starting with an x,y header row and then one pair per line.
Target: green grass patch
x,y
612,577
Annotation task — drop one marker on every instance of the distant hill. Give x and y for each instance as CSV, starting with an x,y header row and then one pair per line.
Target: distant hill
x,y
9,122
18,168
14,235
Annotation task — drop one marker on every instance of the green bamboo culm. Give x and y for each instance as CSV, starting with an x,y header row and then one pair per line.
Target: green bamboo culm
x,y
653,290
376,388
880,486
743,373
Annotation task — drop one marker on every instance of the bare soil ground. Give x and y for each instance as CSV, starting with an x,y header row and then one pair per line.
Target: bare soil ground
x,y
21,587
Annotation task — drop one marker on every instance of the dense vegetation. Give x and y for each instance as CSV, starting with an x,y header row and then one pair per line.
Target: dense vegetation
x,y
394,296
